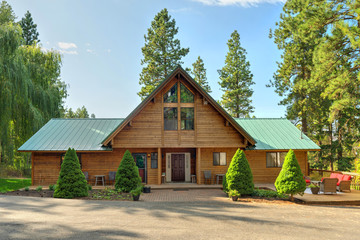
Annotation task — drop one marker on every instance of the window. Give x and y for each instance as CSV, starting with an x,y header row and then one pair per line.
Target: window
x,y
154,160
219,159
187,118
185,95
63,155
275,159
170,119
171,95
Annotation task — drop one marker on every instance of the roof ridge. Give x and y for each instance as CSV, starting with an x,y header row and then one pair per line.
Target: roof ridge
x,y
87,118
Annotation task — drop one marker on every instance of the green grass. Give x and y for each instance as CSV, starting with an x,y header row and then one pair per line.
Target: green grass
x,y
7,185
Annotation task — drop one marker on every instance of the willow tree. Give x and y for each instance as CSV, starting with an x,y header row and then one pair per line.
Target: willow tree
x,y
30,88
162,52
236,80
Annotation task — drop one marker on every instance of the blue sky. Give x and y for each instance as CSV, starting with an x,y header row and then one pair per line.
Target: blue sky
x,y
101,45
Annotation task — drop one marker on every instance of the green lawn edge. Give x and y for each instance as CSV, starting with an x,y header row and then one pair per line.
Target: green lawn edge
x,y
11,184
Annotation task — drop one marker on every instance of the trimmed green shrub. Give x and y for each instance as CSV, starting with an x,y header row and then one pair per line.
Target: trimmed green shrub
x,y
263,193
71,182
52,187
39,188
137,191
127,176
291,179
239,176
89,187
225,186
27,188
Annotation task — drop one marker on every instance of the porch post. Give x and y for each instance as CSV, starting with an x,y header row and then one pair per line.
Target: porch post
x,y
159,166
32,168
198,166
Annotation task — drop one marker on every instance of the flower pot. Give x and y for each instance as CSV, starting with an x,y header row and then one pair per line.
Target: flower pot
x,y
315,190
234,198
147,190
136,198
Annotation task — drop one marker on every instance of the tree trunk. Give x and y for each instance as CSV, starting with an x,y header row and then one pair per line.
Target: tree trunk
x,y
292,197
304,123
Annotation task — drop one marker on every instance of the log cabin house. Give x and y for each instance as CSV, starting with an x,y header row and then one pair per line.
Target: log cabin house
x,y
175,134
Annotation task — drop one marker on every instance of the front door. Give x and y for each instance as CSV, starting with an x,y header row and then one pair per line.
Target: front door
x,y
178,167
140,160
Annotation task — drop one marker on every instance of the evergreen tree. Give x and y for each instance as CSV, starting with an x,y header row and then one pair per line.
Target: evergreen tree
x,y
199,73
6,13
127,176
239,176
79,113
291,179
236,80
30,33
162,52
71,182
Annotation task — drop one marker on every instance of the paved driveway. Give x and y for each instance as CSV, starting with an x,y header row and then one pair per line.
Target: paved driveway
x,y
46,218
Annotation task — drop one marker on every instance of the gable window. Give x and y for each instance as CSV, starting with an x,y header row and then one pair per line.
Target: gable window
x,y
154,160
219,158
171,96
78,155
275,159
185,95
170,118
187,118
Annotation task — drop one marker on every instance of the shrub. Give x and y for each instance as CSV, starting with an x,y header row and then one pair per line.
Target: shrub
x,y
27,189
52,187
39,188
71,182
127,176
137,191
313,186
290,179
89,187
225,186
269,194
239,176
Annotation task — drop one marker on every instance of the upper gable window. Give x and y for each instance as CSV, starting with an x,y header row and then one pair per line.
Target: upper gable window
x,y
171,95
185,95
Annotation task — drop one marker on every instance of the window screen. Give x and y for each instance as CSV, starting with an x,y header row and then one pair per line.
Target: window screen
x,y
170,119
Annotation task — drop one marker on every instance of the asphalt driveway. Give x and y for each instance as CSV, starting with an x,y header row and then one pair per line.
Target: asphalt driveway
x,y
47,218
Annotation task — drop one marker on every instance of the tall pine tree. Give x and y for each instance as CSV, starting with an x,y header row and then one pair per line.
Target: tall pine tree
x,y
162,52
236,80
199,73
30,33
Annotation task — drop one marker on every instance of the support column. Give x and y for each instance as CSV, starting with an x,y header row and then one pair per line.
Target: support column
x,y
306,164
32,169
198,166
159,166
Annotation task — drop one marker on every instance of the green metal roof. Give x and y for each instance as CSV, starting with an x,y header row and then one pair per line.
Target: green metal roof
x,y
276,134
84,134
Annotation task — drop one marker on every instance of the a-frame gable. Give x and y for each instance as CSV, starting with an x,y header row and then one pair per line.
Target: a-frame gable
x,y
179,73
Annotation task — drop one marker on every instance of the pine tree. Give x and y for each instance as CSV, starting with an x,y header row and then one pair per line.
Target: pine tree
x,y
239,176
291,179
30,33
236,80
162,52
127,176
71,182
199,73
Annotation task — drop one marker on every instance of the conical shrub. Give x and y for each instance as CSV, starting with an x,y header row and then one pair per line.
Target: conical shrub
x,y
71,182
291,179
239,176
127,176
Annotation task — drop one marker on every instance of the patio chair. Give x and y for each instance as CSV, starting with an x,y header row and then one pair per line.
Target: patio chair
x,y
328,185
207,176
112,177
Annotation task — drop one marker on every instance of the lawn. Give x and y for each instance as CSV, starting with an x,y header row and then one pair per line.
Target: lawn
x,y
7,185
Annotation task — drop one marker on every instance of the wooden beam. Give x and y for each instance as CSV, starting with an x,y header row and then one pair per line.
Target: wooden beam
x,y
159,165
198,165
32,168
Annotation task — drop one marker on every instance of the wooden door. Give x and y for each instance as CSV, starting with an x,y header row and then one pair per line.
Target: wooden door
x,y
178,167
140,160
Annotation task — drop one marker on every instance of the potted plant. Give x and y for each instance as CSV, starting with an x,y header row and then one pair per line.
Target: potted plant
x,y
136,193
234,194
314,189
147,189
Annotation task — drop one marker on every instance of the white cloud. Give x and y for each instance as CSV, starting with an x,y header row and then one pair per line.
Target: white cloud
x,y
90,51
70,52
242,3
66,45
